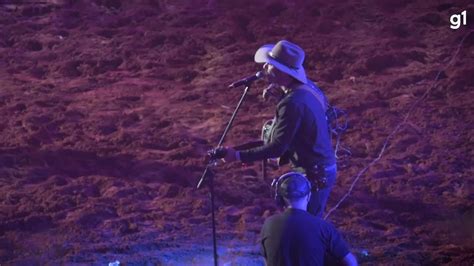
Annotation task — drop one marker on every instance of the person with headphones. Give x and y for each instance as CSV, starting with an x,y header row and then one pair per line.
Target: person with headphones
x,y
295,237
300,132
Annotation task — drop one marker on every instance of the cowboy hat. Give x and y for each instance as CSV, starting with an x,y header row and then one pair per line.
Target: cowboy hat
x,y
285,56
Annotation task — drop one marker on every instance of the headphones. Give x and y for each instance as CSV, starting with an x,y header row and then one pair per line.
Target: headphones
x,y
281,193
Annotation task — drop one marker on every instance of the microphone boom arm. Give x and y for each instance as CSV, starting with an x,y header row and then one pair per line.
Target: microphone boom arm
x,y
229,124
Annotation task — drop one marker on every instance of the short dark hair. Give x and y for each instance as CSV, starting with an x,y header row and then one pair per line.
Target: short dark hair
x,y
293,186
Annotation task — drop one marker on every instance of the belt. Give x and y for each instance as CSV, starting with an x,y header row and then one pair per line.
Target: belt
x,y
325,168
318,175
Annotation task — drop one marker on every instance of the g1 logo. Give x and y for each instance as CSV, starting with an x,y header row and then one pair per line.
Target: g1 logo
x,y
456,20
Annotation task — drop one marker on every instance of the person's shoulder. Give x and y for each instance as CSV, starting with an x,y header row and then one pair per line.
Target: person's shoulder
x,y
327,227
274,217
294,98
272,221
319,222
301,92
290,102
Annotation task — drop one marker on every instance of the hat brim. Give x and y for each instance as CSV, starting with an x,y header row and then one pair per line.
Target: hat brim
x,y
263,56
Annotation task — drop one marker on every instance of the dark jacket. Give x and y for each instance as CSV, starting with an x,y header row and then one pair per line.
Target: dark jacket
x,y
301,129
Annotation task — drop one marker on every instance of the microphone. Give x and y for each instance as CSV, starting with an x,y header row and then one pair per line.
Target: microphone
x,y
247,81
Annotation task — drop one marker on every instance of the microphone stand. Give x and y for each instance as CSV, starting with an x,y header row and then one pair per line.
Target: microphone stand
x,y
208,174
264,162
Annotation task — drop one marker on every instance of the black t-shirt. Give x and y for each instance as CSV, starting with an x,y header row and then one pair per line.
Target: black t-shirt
x,y
295,237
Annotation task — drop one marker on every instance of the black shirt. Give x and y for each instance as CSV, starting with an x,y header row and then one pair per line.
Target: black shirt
x,y
301,129
295,237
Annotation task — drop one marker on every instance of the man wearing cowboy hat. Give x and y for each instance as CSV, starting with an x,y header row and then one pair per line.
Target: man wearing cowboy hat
x,y
300,128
